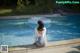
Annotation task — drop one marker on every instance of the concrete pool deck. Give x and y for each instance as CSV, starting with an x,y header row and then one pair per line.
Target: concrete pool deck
x,y
65,46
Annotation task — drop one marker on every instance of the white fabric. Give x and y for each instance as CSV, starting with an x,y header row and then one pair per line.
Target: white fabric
x,y
43,35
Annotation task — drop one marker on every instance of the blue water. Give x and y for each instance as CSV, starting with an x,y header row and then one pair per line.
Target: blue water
x,y
21,31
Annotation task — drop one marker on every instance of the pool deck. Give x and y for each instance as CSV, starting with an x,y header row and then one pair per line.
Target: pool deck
x,y
65,46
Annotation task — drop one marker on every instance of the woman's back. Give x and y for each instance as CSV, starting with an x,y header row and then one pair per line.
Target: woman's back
x,y
40,34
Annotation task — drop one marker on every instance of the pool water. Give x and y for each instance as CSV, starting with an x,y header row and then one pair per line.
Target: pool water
x,y
21,31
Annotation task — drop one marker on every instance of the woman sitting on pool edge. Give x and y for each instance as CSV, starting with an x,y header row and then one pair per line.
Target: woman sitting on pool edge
x,y
40,35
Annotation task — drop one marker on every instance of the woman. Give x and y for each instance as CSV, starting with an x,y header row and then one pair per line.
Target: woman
x,y
40,32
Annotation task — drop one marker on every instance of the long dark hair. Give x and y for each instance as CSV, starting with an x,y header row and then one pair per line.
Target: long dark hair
x,y
40,25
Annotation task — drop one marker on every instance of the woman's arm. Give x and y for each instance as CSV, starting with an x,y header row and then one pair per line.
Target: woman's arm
x,y
45,36
35,35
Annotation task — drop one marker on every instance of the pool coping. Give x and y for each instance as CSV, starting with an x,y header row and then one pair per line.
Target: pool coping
x,y
28,16
50,44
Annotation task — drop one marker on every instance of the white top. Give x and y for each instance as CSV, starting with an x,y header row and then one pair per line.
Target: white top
x,y
43,35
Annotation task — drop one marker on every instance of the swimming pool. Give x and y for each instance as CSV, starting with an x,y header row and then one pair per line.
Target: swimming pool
x,y
21,31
